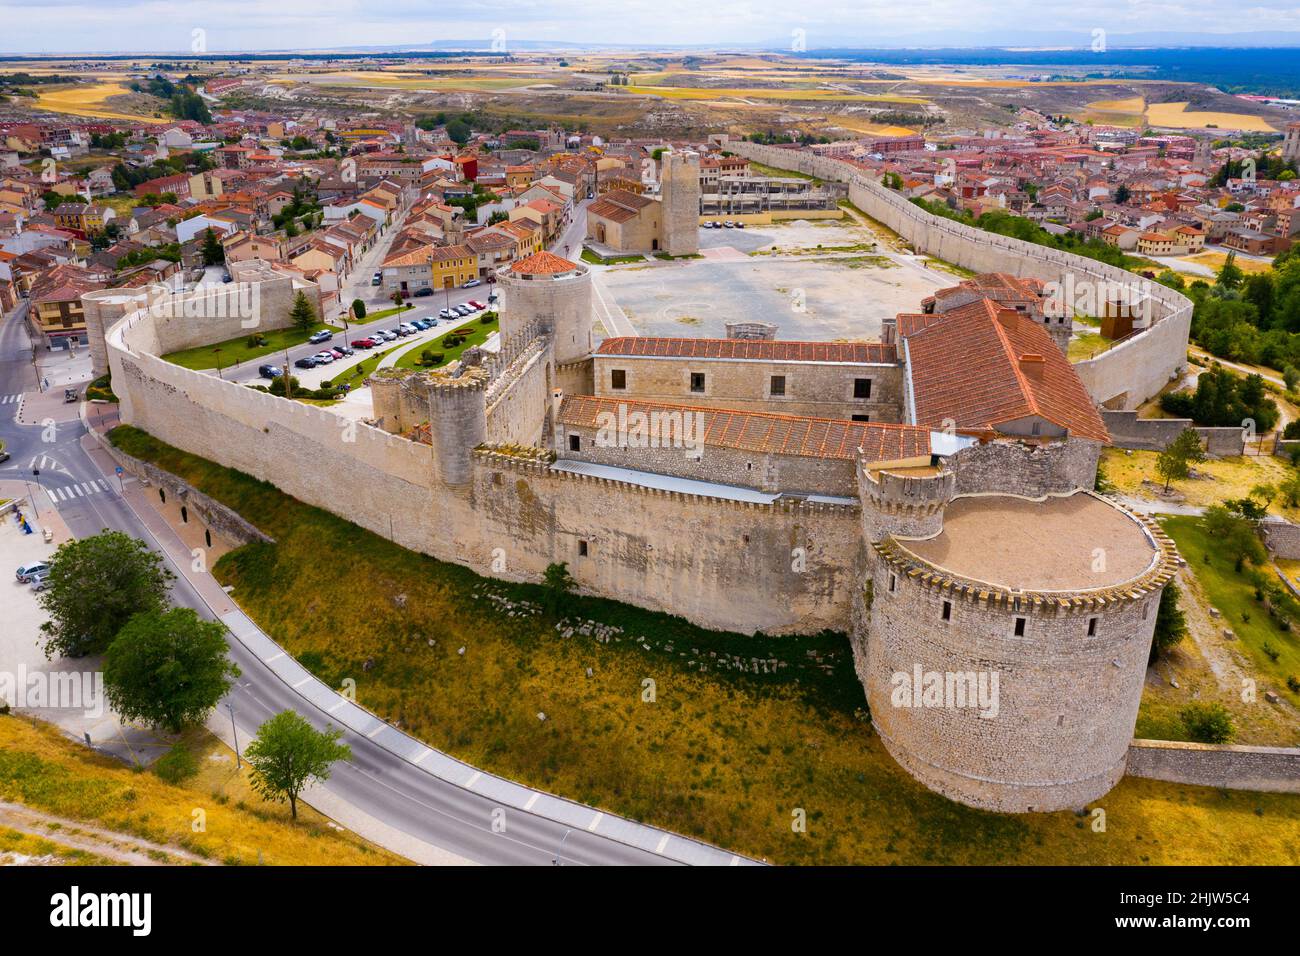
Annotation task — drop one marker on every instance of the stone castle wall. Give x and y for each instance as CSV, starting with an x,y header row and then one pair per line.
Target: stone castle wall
x,y
1155,434
1124,376
1027,469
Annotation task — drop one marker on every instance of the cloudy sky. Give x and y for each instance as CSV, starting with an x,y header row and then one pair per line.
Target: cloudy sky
x,y
51,26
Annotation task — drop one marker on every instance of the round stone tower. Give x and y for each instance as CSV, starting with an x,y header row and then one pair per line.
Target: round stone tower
x,y
903,501
1004,655
102,308
549,293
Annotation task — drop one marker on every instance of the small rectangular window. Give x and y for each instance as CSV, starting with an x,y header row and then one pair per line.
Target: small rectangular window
x,y
1092,627
778,384
582,549
575,443
697,381
862,388
618,378
1020,627
893,580
862,418
947,610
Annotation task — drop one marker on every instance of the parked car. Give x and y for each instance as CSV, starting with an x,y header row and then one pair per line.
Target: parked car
x,y
421,293
324,335
39,581
740,225
227,277
363,343
464,310
420,324
447,314
384,335
408,328
344,350
307,361
335,353
398,332
28,571
728,225
4,455
324,358
472,283
269,371
377,278
477,305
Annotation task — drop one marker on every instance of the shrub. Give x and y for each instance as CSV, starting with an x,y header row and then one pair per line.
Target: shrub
x,y
176,764
488,318
429,357
1207,723
1293,682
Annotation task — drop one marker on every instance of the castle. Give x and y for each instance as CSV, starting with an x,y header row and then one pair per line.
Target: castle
x,y
929,494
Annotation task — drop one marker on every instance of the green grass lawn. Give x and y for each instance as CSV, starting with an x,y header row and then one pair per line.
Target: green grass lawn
x,y
1234,595
589,256
236,350
725,752
478,333
384,313
1085,344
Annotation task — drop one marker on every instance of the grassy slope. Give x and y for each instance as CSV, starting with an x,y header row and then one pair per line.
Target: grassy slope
x,y
720,755
237,350
42,769
1224,477
1234,596
26,845
477,333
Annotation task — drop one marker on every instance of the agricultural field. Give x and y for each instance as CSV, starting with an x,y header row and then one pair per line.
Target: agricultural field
x,y
1177,116
92,100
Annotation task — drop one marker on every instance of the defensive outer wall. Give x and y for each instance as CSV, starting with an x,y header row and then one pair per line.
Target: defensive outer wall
x,y
733,571
1123,377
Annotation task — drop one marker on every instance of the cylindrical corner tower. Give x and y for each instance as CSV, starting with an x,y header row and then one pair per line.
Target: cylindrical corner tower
x,y
102,308
548,292
457,423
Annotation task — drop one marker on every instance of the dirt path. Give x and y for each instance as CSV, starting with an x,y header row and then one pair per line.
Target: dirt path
x,y
93,839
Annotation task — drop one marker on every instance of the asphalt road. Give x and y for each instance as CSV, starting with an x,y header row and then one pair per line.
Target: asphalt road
x,y
376,781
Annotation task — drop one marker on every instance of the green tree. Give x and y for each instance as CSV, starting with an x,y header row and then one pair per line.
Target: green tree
x,y
303,313
168,668
95,586
358,309
1230,276
1122,194
1234,536
213,253
1207,723
287,754
1171,622
1174,463
459,131
559,584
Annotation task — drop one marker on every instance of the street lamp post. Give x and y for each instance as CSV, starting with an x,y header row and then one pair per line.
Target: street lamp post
x,y
234,733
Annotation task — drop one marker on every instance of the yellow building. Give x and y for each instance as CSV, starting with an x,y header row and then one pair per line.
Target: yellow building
x,y
453,266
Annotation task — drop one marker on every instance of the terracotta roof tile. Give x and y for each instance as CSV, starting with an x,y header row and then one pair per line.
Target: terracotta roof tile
x,y
766,433
543,263
758,349
980,366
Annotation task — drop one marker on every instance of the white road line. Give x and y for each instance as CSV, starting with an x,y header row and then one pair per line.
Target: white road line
x,y
474,779
663,842
336,707
274,657
735,861
301,682
376,731
75,490
423,754
595,821
531,801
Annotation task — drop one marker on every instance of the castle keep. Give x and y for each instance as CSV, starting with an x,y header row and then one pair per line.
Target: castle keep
x,y
930,495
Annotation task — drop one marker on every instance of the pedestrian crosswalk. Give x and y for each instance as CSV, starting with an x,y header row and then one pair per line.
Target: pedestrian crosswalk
x,y
82,489
10,399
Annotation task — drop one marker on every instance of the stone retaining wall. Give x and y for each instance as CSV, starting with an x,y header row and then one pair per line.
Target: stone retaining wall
x,y
1156,434
1273,769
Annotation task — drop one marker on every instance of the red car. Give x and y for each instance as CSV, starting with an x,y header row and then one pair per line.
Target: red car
x,y
476,305
363,344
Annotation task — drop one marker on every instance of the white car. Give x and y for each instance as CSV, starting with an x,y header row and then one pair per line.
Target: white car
x,y
28,571
324,358
472,283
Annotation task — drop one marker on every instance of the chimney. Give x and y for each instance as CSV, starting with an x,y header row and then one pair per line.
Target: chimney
x,y
1031,366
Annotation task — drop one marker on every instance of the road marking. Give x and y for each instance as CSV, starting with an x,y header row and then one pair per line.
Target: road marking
x,y
663,842
274,657
76,490
375,732
301,682
336,707
531,801
423,754
474,779
735,861
595,822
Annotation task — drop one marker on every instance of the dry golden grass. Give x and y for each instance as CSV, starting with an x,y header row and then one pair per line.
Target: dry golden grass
x,y
1133,104
15,845
1221,478
42,769
1175,116
765,93
89,100
1215,261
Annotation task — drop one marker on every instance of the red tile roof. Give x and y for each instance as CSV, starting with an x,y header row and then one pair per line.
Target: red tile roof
x,y
980,366
766,433
758,349
543,263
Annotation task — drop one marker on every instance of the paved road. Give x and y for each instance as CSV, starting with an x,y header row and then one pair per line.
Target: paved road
x,y
416,813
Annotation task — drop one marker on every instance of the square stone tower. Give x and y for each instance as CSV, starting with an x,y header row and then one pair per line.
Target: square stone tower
x,y
1291,145
679,192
